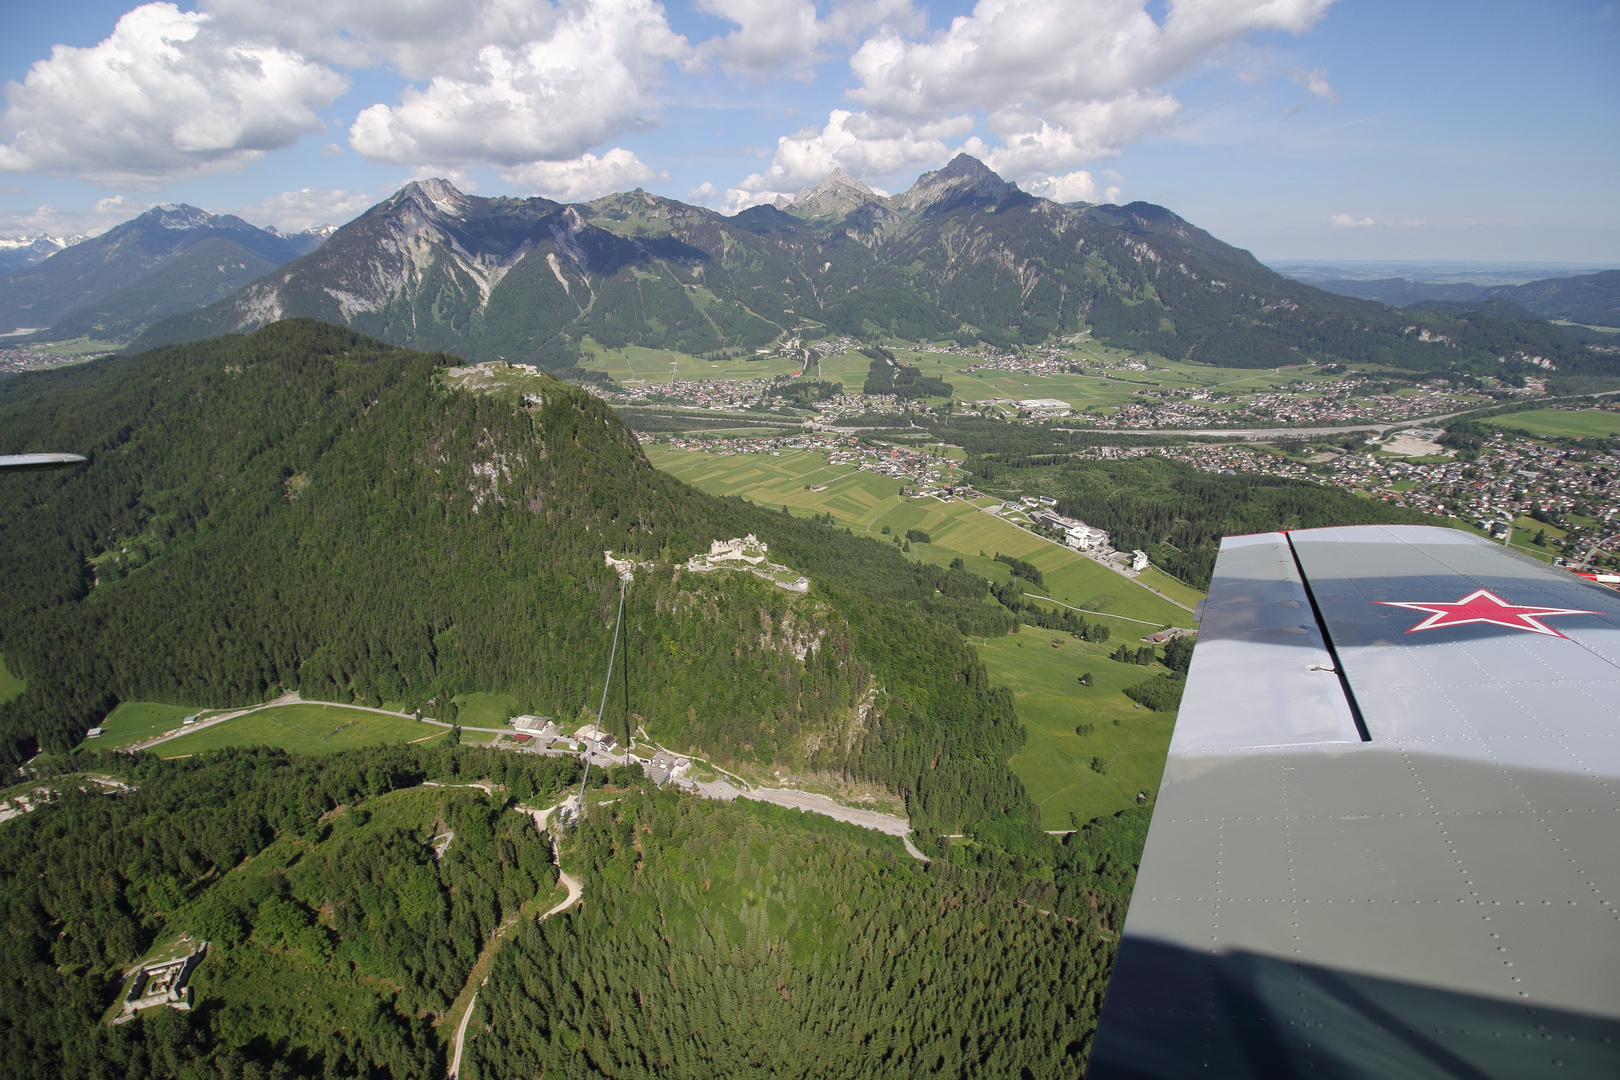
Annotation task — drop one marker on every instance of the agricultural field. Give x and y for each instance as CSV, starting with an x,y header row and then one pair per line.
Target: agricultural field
x,y
1562,423
867,503
636,364
1128,740
1096,392
1081,391
308,728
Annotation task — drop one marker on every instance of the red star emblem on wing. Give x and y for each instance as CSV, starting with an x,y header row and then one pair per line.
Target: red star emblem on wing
x,y
1484,606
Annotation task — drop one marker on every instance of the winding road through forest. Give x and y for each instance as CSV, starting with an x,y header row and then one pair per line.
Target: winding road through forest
x,y
576,889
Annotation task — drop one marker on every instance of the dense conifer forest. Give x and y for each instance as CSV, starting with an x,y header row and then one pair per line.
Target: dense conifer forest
x,y
760,942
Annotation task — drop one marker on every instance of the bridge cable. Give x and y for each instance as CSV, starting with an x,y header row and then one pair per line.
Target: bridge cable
x,y
600,709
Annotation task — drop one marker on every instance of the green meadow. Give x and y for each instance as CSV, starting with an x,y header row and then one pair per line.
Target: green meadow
x,y
481,709
1129,741
136,721
636,364
1562,423
307,728
1096,392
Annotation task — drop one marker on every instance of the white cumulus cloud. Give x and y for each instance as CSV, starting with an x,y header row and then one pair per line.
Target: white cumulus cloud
x,y
164,95
776,36
295,211
419,39
1059,82
861,144
1345,221
549,100
1078,186
584,177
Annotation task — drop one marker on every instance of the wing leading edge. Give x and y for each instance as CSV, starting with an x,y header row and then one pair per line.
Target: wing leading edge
x,y
1381,848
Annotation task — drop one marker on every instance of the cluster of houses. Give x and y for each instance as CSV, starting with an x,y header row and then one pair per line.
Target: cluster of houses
x,y
544,731
662,767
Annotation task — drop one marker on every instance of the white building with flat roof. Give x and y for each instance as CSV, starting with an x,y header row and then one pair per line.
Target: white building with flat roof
x,y
1046,406
1083,537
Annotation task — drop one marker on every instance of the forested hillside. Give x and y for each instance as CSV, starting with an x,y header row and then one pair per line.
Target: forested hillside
x,y
961,255
309,509
345,900
761,942
335,934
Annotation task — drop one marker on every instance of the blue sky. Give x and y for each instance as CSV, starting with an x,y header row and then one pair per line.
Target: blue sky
x,y
1300,129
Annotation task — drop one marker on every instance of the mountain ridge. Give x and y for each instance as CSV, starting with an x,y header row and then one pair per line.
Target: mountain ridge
x,y
962,254
163,261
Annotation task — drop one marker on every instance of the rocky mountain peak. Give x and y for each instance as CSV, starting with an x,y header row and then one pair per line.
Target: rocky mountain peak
x,y
178,216
965,180
836,182
836,195
432,196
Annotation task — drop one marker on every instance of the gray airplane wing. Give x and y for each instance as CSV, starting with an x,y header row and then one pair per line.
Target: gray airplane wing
x,y
27,462
1387,842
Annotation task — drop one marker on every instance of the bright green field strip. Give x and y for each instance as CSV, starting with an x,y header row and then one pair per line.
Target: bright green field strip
x,y
634,363
136,721
1055,764
1154,578
305,729
10,685
1562,423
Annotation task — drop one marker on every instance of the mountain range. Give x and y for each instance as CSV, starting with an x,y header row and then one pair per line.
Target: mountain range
x,y
1590,299
18,252
963,254
167,260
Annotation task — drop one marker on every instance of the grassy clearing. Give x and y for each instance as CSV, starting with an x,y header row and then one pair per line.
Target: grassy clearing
x,y
1562,423
1174,588
136,721
485,710
11,686
307,729
1055,764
